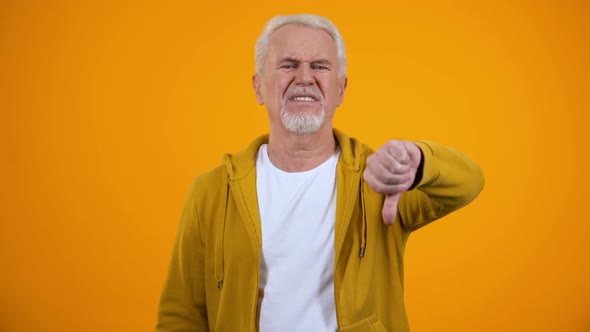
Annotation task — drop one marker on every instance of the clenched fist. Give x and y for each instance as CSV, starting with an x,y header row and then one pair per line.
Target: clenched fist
x,y
391,171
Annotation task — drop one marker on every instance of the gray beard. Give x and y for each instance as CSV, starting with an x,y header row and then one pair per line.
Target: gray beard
x,y
303,123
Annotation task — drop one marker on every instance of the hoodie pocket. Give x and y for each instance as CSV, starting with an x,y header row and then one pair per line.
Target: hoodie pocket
x,y
367,324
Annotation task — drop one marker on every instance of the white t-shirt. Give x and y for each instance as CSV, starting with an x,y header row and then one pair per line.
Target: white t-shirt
x,y
297,211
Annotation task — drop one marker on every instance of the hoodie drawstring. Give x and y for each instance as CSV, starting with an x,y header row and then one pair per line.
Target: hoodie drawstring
x,y
364,226
219,233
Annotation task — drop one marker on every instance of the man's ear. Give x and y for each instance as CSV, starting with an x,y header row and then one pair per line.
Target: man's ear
x,y
343,83
256,82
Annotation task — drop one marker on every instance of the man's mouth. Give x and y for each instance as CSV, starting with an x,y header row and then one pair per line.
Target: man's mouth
x,y
303,97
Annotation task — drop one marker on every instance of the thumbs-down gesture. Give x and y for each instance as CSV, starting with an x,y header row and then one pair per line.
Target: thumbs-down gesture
x,y
391,171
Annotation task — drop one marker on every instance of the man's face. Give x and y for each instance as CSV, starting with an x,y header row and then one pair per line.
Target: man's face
x,y
299,82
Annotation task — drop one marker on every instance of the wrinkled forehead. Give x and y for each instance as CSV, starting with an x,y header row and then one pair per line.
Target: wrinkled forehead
x,y
302,43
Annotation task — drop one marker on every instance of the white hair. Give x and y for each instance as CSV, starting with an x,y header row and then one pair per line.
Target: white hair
x,y
308,20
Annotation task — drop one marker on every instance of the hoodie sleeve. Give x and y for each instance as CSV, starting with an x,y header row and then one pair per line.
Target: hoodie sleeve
x,y
450,180
182,302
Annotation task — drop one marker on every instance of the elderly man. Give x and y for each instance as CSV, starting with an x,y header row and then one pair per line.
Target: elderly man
x,y
305,229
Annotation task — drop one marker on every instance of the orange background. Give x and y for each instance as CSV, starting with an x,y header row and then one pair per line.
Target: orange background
x,y
109,109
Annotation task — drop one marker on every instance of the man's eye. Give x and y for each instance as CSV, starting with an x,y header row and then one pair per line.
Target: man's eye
x,y
320,67
288,66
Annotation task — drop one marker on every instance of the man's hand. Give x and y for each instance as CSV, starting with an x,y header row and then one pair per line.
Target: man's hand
x,y
391,171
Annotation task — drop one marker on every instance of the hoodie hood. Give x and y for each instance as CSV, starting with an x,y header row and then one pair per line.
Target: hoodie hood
x,y
240,164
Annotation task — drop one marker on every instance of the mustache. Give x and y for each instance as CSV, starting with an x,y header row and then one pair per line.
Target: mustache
x,y
304,90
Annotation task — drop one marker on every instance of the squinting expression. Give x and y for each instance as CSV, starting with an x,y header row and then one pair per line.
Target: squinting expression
x,y
299,83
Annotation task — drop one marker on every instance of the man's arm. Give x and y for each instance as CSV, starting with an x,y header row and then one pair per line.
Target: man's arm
x,y
182,303
448,181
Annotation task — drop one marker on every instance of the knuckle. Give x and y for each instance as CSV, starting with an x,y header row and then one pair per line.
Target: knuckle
x,y
404,187
393,142
390,179
376,185
367,175
379,187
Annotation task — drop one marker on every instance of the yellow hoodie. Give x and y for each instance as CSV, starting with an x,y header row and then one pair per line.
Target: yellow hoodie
x,y
212,282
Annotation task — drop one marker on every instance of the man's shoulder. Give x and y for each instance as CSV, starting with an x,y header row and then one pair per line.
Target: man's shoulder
x,y
232,164
354,152
212,176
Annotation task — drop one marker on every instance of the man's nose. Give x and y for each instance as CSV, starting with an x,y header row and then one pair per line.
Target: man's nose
x,y
304,75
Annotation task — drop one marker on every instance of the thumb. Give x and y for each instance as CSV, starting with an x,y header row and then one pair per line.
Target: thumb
x,y
390,208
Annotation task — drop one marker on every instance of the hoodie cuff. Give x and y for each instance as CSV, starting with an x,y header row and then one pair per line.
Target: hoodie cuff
x,y
427,171
419,171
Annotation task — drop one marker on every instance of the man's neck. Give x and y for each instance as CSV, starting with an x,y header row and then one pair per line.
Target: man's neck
x,y
299,153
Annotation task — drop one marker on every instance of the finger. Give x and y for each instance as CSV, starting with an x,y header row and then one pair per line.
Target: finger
x,y
414,152
383,163
380,172
390,208
398,185
398,151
